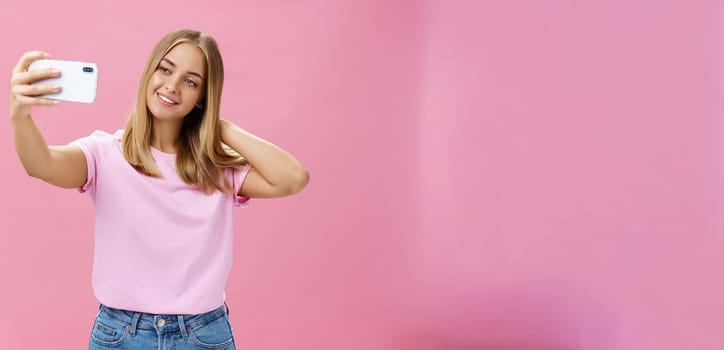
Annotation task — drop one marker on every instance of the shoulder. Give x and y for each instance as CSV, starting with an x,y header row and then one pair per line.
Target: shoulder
x,y
108,138
100,139
101,135
118,136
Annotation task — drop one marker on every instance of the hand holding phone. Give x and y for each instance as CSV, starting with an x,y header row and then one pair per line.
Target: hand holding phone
x,y
78,80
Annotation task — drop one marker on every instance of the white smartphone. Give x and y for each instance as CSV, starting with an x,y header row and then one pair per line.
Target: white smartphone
x,y
78,80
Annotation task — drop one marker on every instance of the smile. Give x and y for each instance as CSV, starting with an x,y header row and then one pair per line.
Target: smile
x,y
166,101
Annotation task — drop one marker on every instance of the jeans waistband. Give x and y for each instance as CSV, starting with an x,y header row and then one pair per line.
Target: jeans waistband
x,y
162,323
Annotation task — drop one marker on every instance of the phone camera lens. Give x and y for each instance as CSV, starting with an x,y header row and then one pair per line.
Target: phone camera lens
x,y
88,69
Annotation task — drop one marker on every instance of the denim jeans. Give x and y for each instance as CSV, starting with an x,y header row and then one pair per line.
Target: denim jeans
x,y
128,330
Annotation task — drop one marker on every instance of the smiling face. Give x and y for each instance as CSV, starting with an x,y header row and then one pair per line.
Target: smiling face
x,y
178,83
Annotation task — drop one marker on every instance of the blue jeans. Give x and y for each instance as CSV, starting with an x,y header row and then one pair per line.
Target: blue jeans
x,y
128,330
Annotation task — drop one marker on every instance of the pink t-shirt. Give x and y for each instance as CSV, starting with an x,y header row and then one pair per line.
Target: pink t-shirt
x,y
161,245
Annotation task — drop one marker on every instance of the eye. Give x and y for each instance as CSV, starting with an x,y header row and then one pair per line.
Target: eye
x,y
190,83
164,70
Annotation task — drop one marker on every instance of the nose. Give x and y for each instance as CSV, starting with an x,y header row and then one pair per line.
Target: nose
x,y
169,87
171,84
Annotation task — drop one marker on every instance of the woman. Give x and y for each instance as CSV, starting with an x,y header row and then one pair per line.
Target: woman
x,y
163,189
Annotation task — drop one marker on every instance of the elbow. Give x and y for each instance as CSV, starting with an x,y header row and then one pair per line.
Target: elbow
x,y
33,172
39,171
298,182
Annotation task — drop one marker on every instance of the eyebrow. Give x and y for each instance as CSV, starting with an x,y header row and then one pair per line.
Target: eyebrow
x,y
174,65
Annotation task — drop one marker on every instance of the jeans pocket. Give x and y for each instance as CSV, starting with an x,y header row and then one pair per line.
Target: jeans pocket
x,y
108,333
216,334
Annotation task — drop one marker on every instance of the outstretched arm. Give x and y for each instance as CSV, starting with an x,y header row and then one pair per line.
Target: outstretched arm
x,y
274,173
63,166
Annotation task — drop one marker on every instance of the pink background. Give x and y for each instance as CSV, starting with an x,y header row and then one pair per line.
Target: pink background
x,y
511,175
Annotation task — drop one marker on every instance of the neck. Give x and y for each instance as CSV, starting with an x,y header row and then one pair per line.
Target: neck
x,y
165,135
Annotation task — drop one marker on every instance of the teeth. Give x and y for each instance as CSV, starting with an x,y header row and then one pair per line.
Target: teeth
x,y
164,99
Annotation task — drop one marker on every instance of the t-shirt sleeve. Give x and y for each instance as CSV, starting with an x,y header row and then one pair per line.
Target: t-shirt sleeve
x,y
238,177
91,147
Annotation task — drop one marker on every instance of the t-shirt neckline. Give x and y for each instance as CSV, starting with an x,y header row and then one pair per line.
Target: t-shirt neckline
x,y
162,154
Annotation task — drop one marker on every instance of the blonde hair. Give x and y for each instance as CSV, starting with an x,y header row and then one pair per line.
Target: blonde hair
x,y
201,155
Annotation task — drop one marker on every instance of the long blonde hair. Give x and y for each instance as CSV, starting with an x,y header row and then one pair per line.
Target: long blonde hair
x,y
201,155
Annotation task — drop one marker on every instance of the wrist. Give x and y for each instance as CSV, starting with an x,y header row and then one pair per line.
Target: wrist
x,y
15,117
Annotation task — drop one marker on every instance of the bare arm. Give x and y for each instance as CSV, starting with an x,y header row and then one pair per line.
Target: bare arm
x,y
274,173
63,166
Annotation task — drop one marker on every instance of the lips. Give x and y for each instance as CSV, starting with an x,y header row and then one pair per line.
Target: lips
x,y
165,100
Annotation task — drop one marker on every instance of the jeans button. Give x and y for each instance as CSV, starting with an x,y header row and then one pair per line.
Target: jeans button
x,y
161,322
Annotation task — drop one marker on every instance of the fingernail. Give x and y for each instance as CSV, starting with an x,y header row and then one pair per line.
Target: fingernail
x,y
55,71
55,102
56,87
47,55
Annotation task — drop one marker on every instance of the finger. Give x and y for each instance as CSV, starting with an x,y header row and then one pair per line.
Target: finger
x,y
35,89
27,58
35,101
34,75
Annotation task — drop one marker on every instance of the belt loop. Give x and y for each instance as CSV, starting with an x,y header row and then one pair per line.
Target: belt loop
x,y
227,308
134,323
182,326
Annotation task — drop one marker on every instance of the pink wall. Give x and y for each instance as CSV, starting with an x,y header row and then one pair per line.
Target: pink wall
x,y
522,176
571,151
